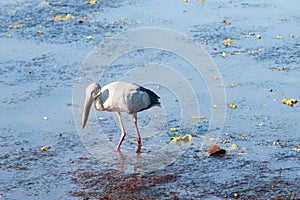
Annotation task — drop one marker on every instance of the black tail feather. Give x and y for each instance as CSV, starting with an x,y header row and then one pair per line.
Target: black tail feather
x,y
154,98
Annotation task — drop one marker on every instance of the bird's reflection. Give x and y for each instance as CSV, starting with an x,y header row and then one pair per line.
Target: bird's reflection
x,y
125,162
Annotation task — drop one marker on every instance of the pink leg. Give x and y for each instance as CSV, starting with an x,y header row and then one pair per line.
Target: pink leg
x,y
138,137
123,134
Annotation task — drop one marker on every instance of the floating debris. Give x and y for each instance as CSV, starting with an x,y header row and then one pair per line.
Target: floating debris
x,y
173,129
181,138
243,137
45,118
289,102
224,54
224,141
234,146
292,36
227,42
92,2
12,26
44,3
225,21
65,18
233,85
297,148
261,124
279,37
45,148
198,117
258,36
215,150
40,32
89,37
232,106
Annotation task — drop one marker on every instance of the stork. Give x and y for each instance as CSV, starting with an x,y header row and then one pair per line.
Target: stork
x,y
120,97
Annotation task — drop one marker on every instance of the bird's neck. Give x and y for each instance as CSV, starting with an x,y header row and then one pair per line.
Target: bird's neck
x,y
98,103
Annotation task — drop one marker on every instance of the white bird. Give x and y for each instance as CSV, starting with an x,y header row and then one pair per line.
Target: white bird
x,y
120,97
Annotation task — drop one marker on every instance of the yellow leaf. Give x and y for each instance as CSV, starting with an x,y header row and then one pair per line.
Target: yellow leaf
x,y
45,148
198,117
234,146
232,106
92,1
173,129
90,37
44,3
289,102
279,37
227,42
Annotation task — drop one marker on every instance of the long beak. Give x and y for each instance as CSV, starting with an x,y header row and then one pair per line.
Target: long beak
x,y
86,110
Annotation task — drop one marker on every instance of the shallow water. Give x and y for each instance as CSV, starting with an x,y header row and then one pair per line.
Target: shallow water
x,y
38,70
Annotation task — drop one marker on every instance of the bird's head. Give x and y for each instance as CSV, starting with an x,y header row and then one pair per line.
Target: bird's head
x,y
92,92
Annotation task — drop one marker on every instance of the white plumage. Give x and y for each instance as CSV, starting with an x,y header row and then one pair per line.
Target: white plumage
x,y
120,97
